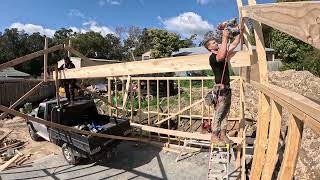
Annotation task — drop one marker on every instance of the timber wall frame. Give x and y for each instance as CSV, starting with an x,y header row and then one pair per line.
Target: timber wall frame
x,y
299,19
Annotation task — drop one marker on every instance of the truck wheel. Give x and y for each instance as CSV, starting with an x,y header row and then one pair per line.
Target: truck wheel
x,y
34,136
68,154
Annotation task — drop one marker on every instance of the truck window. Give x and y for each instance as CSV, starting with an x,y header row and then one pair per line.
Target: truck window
x,y
41,112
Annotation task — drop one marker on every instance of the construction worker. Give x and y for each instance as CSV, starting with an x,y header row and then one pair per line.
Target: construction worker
x,y
218,62
68,84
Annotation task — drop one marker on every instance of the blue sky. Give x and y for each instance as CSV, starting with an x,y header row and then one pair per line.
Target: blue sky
x,y
182,16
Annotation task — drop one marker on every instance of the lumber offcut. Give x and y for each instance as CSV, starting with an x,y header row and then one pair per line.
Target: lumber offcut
x,y
163,65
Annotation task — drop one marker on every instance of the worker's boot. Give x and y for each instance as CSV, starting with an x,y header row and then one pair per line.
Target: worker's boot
x,y
224,137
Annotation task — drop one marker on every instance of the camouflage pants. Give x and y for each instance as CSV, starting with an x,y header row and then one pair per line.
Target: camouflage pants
x,y
220,120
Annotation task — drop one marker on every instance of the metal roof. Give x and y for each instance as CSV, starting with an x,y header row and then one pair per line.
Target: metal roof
x,y
11,72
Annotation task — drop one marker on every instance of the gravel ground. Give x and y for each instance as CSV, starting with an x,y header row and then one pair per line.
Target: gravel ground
x,y
131,162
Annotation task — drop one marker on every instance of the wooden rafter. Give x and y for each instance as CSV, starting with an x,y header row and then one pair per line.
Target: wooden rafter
x,y
172,64
30,56
299,19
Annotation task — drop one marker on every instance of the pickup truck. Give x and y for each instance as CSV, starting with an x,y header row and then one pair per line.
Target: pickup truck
x,y
83,115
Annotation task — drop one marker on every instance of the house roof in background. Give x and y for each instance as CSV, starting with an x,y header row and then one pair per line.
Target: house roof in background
x,y
11,72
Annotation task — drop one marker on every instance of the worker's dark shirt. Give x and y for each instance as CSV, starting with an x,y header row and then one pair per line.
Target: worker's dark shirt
x,y
66,66
217,68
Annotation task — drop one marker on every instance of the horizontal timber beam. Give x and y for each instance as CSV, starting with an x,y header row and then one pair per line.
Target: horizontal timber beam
x,y
163,65
300,106
30,56
67,128
298,19
199,136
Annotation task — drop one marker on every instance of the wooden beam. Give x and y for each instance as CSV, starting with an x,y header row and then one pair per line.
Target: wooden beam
x,y
30,56
45,61
298,105
25,96
181,111
67,128
75,52
173,132
274,137
171,64
291,152
262,136
125,97
264,105
306,105
298,19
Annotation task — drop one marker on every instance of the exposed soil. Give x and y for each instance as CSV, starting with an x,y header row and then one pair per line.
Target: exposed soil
x,y
37,150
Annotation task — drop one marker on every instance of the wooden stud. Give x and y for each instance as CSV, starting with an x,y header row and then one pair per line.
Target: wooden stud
x,y
291,152
190,101
139,99
168,107
148,94
241,122
274,137
109,95
116,95
57,85
158,106
125,96
45,61
261,138
69,44
179,103
131,102
202,96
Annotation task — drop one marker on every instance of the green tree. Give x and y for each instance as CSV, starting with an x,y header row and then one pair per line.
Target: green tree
x,y
61,35
94,45
188,42
295,53
163,42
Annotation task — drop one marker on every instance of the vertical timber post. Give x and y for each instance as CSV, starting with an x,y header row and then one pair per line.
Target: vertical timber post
x,y
45,61
69,44
264,106
291,152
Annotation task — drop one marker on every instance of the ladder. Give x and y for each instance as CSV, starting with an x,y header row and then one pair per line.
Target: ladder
x,y
219,161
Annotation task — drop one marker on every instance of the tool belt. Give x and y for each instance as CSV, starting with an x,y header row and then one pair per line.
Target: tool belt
x,y
212,97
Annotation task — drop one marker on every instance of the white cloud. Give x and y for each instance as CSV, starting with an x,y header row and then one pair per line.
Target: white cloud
x,y
187,23
32,28
111,2
76,13
204,2
93,26
74,29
